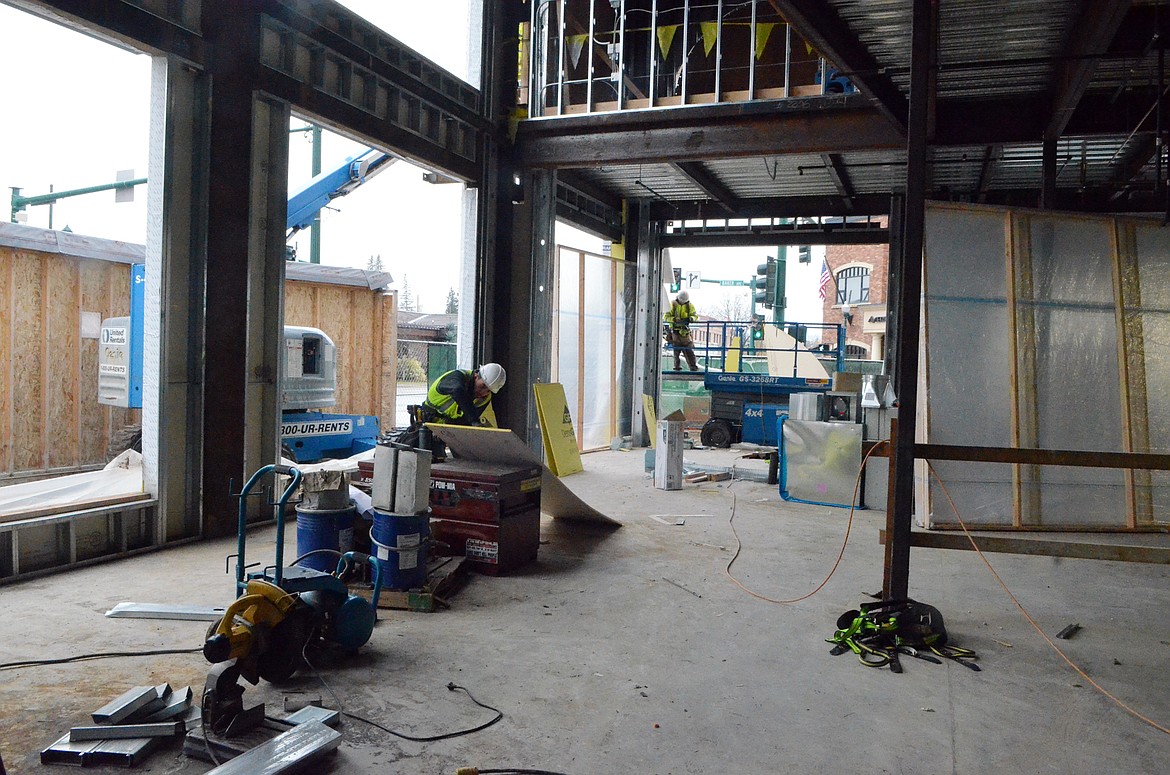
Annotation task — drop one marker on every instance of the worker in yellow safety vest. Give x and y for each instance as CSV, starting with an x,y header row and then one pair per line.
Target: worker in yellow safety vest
x,y
678,329
461,396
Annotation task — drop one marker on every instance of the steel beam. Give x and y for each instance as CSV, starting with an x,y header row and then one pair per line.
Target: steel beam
x,y
171,28
825,31
1090,36
775,236
709,184
835,166
1084,550
793,126
774,207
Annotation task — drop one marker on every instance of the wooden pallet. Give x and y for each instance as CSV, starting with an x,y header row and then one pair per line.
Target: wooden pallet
x,y
445,577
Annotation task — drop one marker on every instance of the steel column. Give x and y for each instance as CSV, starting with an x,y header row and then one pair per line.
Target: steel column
x,y
897,577
646,320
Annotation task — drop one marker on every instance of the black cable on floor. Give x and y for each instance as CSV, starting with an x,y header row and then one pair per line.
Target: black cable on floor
x,y
446,735
99,655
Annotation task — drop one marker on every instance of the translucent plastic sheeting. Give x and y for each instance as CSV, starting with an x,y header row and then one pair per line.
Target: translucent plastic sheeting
x,y
968,358
819,461
121,477
1055,357
568,328
596,423
586,361
1149,325
1077,389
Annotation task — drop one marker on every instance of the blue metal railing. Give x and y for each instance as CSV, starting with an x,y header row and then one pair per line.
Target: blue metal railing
x,y
715,339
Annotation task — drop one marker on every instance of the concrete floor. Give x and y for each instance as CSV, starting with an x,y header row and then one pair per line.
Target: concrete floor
x,y
631,651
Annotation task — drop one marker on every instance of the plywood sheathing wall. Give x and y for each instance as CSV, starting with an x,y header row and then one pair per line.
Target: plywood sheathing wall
x,y
361,324
50,419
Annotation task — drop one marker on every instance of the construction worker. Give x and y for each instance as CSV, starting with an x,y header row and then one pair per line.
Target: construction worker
x,y
678,322
461,396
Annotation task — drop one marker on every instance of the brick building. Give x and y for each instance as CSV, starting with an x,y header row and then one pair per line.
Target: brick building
x,y
856,296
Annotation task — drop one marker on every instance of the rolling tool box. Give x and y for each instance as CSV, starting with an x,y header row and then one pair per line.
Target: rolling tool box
x,y
492,549
488,513
482,492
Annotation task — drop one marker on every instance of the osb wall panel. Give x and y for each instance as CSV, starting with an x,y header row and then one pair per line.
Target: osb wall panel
x,y
353,318
50,419
49,415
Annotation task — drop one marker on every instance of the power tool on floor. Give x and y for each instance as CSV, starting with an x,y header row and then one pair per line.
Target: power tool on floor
x,y
278,613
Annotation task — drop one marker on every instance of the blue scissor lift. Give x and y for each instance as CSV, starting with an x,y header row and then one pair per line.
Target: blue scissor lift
x,y
746,404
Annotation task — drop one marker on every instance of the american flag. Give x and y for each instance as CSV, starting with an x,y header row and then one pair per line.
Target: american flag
x,y
826,278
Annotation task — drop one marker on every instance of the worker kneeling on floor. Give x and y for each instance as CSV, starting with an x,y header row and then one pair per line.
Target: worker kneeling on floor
x,y
459,397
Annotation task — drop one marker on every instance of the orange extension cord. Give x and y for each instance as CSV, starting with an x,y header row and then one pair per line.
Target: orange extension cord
x,y
849,526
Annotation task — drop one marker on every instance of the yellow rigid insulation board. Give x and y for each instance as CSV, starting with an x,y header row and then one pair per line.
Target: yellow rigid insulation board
x,y
502,446
556,426
651,418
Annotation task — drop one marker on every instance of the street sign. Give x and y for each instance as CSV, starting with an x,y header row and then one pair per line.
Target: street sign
x,y
733,282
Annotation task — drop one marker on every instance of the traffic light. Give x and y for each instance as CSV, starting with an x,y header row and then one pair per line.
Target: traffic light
x,y
764,284
804,254
676,284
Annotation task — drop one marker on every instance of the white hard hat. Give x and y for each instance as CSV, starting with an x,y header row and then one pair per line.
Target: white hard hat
x,y
493,375
683,297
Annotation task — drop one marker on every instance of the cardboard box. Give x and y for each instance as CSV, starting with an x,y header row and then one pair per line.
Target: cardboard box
x,y
668,457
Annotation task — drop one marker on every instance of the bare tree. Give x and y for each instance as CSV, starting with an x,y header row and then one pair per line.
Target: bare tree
x,y
731,305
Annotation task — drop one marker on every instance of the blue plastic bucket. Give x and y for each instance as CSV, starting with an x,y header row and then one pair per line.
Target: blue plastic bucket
x,y
400,543
324,529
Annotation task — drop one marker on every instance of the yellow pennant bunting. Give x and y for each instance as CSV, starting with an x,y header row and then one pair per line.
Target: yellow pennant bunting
x,y
763,32
710,33
665,38
575,44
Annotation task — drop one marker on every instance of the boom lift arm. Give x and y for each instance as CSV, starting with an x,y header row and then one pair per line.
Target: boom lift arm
x,y
303,205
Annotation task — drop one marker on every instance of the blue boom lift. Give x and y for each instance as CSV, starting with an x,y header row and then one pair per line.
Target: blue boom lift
x,y
308,358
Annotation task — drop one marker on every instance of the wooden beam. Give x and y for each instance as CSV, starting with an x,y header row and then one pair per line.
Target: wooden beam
x,y
1044,457
1085,550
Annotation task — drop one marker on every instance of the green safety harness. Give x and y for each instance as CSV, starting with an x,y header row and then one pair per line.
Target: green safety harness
x,y
879,632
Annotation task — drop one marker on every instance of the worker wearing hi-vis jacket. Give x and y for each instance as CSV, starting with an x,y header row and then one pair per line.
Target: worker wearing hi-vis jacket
x,y
678,321
460,397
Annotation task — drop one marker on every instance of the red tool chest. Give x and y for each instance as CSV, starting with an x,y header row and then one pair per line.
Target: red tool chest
x,y
486,512
482,492
494,549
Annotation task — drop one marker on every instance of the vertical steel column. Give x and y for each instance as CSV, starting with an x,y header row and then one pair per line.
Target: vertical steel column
x,y
653,58
897,576
646,319
621,58
534,65
1048,175
787,58
176,252
234,28
560,56
686,51
589,61
719,51
894,287
542,293
752,57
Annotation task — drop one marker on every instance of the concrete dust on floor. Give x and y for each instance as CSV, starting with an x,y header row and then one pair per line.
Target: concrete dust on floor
x,y
631,650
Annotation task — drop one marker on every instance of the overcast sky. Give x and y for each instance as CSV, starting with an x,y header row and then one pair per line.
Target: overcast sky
x,y
77,113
